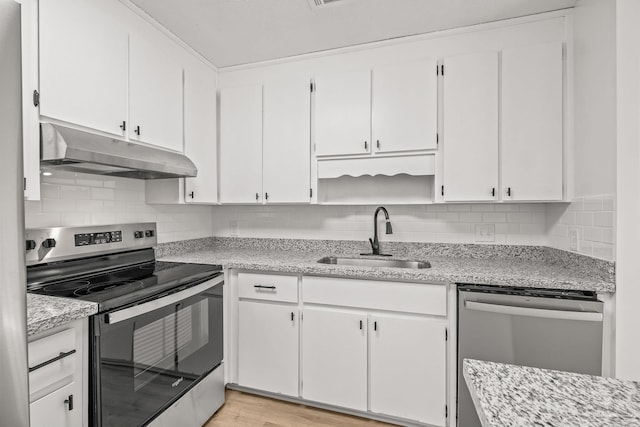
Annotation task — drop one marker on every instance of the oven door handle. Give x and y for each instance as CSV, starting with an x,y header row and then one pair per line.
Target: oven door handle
x,y
587,316
156,304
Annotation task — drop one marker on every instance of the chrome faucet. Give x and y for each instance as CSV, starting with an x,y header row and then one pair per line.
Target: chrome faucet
x,y
375,245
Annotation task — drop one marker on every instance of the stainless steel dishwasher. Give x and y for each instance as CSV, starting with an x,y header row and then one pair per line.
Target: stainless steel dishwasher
x,y
550,329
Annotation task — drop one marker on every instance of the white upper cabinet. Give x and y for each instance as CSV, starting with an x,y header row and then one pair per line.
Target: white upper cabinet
x,y
470,140
286,142
241,144
155,89
343,113
200,132
405,106
532,122
83,63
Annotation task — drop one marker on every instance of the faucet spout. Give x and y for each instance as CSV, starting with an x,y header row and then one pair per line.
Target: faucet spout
x,y
375,244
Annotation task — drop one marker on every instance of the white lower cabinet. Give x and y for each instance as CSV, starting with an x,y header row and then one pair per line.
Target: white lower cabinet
x,y
58,376
372,346
408,367
334,357
54,409
268,347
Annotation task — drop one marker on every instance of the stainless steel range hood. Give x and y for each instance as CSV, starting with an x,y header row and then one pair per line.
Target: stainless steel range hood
x,y
74,150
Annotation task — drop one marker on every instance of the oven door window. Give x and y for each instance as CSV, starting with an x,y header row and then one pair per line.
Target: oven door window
x,y
148,361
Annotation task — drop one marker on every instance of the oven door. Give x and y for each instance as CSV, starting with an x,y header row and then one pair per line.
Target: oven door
x,y
146,356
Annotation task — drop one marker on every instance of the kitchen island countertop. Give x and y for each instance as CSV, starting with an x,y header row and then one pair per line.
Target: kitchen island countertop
x,y
509,395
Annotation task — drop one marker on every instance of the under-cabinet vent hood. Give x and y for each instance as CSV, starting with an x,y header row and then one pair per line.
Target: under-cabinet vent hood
x,y
74,150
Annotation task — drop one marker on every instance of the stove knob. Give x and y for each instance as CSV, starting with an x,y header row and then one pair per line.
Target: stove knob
x,y
49,243
138,234
149,233
31,245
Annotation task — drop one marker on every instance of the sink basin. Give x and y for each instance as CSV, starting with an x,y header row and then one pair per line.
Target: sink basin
x,y
374,262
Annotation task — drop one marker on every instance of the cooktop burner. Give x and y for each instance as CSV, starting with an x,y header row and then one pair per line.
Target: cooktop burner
x,y
125,285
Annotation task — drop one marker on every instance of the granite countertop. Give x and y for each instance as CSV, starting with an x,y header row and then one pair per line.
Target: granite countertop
x,y
509,395
496,271
45,312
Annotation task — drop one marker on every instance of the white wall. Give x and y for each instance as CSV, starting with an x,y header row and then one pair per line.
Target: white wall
x,y
595,97
627,347
70,199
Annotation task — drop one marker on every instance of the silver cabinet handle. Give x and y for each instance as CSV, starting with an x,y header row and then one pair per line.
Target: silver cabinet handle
x,y
587,316
269,287
61,356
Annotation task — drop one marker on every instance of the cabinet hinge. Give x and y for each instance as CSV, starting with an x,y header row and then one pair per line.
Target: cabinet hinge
x,y
310,192
36,98
442,190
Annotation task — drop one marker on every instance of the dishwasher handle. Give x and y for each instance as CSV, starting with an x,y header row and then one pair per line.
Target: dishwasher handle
x,y
586,316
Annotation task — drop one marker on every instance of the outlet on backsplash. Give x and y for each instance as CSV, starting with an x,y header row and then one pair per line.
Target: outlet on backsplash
x,y
573,239
485,232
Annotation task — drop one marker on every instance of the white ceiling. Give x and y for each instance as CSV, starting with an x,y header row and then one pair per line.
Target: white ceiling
x,y
232,32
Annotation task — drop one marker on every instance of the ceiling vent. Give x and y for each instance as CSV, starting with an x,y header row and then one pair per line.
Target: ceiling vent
x,y
315,4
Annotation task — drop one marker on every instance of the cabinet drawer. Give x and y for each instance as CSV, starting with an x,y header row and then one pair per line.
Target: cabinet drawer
x,y
269,287
59,372
52,410
417,298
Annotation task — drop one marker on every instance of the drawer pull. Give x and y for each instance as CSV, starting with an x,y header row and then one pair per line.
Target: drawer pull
x,y
273,288
50,361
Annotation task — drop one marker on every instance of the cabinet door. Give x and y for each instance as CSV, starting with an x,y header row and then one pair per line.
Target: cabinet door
x,y
268,347
470,145
334,357
155,88
408,368
286,144
241,145
532,122
200,140
83,63
52,410
343,113
405,106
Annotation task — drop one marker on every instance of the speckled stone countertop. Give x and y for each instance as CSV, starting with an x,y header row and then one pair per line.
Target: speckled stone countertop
x,y
444,269
45,312
508,395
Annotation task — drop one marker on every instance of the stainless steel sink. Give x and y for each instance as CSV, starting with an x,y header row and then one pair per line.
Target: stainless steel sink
x,y
374,262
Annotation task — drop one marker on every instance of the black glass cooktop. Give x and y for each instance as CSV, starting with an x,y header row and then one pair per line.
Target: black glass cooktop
x,y
122,286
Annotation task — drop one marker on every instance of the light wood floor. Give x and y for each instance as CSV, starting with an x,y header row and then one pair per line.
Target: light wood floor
x,y
243,409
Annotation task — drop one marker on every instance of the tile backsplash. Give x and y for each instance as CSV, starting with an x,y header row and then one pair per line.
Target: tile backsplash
x,y
81,199
585,226
519,224
73,199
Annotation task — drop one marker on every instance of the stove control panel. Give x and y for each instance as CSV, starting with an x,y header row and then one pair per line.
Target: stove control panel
x,y
52,244
98,238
